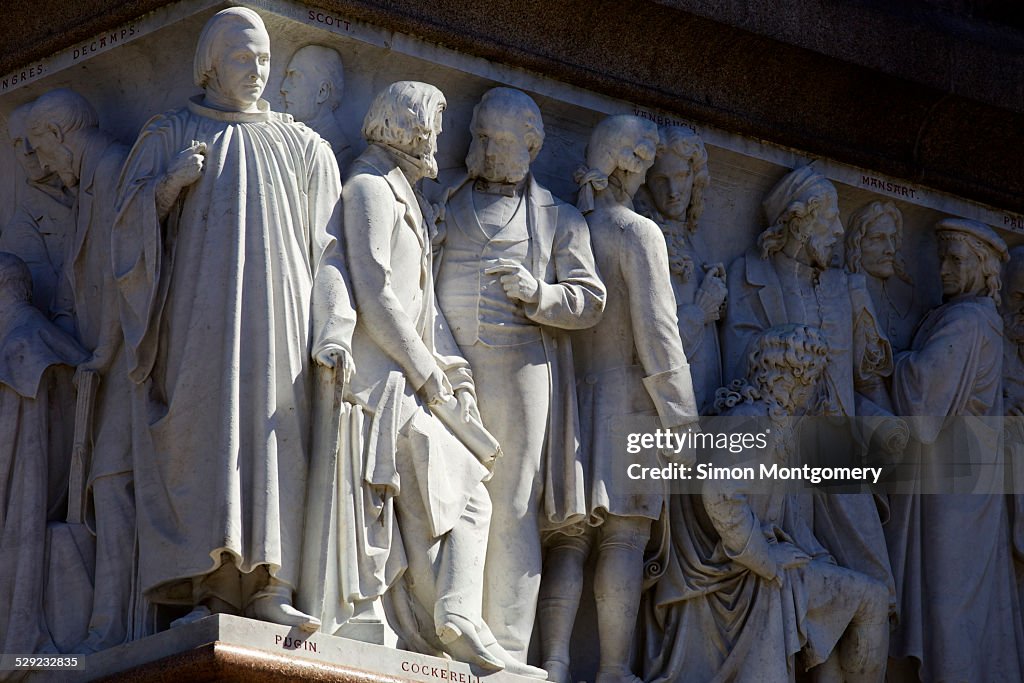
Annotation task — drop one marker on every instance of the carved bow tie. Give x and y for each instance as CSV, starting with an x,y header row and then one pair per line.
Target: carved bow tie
x,y
488,187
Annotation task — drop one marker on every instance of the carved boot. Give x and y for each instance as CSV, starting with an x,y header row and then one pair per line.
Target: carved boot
x,y
274,604
462,641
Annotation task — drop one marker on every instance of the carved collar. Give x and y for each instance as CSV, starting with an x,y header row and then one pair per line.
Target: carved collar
x,y
506,189
196,106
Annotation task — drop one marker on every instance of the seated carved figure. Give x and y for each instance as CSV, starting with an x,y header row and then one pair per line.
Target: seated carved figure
x,y
749,592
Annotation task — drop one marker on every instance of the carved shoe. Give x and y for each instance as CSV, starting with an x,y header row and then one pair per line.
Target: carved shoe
x,y
278,610
462,642
513,665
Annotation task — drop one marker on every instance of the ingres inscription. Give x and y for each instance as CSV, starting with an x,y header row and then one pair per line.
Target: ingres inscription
x,y
14,78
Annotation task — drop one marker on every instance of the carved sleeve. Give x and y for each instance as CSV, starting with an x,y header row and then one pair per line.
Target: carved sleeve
x,y
333,313
370,222
576,299
644,268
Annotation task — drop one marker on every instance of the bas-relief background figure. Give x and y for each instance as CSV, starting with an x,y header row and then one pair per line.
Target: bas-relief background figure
x,y
789,279
37,231
64,131
874,241
312,90
410,417
674,198
36,357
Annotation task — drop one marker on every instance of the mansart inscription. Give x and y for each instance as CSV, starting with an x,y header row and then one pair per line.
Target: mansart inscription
x,y
337,332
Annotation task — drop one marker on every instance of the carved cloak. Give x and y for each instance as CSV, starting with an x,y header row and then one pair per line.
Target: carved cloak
x,y
222,306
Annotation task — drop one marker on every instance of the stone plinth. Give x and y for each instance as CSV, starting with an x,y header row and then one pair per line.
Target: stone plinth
x,y
227,648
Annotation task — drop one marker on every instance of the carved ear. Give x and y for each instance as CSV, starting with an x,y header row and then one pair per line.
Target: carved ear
x,y
55,131
324,93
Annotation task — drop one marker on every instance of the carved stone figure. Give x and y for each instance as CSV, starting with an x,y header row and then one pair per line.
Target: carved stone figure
x,y
1013,333
951,551
37,231
630,363
788,279
313,88
749,594
229,293
427,451
674,198
64,130
874,240
1012,295
35,356
515,272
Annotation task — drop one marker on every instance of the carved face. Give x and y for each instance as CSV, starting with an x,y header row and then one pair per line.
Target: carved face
x,y
635,159
499,151
960,270
240,69
54,156
25,153
823,232
303,90
878,248
424,148
670,181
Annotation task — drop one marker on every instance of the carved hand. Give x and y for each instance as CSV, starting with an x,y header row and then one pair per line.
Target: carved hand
x,y
686,456
787,556
186,168
335,356
467,406
437,389
518,282
711,295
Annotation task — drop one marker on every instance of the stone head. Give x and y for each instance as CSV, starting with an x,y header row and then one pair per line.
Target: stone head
x,y
54,120
787,363
679,176
508,132
622,149
406,116
971,254
873,239
24,152
803,217
232,61
313,81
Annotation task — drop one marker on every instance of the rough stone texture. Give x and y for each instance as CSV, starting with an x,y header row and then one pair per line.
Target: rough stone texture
x,y
931,91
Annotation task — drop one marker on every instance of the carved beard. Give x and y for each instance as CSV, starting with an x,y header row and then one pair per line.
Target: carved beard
x,y
64,167
509,169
